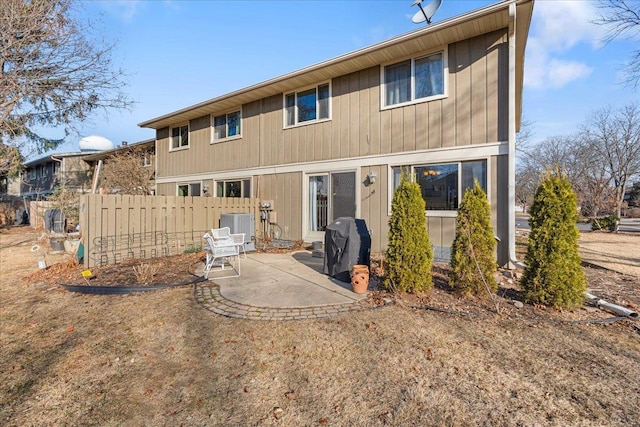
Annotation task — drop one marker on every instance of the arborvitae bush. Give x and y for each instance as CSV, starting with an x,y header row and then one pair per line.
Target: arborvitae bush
x,y
553,275
409,255
473,260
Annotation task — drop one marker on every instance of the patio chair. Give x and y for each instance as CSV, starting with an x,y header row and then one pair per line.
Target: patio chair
x,y
225,233
221,233
219,255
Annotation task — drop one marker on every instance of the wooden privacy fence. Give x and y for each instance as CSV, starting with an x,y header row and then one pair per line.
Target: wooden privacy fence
x,y
117,227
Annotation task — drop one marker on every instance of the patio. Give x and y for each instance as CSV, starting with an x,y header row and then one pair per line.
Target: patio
x,y
286,286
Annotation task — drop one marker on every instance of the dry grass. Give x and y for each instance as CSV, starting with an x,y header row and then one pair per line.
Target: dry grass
x,y
145,272
159,359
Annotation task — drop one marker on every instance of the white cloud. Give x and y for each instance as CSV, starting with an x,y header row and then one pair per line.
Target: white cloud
x,y
557,27
125,10
562,72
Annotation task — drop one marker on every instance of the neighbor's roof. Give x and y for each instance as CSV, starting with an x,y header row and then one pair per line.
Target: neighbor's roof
x,y
471,24
55,156
106,153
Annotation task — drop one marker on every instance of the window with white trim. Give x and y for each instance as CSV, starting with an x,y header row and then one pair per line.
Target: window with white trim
x,y
32,174
226,125
234,188
308,105
189,189
44,170
443,184
146,159
180,137
56,168
414,79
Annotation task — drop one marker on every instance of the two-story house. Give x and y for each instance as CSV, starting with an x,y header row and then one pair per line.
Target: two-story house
x,y
41,176
331,139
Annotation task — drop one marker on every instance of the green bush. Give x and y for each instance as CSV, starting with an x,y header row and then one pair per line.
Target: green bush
x,y
409,255
473,261
554,275
606,223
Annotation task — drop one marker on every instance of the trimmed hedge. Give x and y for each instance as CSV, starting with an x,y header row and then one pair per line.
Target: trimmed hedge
x,y
554,275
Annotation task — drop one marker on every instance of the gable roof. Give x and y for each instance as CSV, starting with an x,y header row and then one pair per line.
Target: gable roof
x,y
471,24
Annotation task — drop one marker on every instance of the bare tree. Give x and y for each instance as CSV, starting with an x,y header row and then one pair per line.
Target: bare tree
x,y
53,74
622,19
124,172
614,138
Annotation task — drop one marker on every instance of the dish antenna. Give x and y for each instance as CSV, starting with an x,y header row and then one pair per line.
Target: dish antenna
x,y
425,13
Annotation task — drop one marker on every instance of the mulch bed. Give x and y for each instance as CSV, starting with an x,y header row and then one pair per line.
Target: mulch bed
x,y
614,287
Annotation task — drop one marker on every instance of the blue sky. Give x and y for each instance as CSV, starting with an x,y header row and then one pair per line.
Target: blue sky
x,y
179,53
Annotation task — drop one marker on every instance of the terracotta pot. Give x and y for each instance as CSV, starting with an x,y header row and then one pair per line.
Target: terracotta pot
x,y
359,278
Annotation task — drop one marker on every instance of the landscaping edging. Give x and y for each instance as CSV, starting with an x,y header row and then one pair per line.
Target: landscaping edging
x,y
123,290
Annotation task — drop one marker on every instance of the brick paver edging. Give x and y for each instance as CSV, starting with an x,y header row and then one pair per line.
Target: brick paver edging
x,y
208,294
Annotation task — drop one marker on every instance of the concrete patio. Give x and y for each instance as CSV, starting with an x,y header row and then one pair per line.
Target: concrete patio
x,y
287,286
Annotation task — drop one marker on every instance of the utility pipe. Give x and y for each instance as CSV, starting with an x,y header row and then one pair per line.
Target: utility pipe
x,y
613,308
511,156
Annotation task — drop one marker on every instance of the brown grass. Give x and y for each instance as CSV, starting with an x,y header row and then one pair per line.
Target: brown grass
x,y
159,359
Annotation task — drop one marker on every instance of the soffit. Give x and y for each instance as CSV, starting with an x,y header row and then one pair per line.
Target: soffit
x,y
472,24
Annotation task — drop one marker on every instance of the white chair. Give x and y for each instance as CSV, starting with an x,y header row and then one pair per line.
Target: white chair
x,y
238,238
225,233
221,233
219,255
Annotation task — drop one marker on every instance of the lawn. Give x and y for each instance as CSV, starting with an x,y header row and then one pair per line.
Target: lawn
x,y
160,359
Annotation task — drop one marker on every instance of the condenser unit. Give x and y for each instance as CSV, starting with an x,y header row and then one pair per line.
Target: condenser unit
x,y
241,223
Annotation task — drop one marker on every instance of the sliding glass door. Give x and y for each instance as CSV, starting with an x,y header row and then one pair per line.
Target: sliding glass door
x,y
331,195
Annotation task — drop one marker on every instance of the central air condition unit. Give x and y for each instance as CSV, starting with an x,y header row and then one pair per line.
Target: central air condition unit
x,y
241,223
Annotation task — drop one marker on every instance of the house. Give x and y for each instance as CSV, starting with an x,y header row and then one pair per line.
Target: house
x,y
41,176
331,139
143,151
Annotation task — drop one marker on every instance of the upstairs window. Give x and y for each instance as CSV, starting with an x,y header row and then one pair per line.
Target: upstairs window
x,y
44,170
307,105
56,168
227,125
179,137
146,159
32,174
415,79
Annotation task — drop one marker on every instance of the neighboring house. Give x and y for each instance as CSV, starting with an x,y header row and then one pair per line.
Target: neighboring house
x,y
146,150
41,176
331,139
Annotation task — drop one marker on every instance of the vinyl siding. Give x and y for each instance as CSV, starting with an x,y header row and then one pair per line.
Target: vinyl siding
x,y
474,112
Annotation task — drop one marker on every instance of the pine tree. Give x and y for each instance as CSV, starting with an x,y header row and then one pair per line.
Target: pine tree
x,y
553,275
473,262
409,254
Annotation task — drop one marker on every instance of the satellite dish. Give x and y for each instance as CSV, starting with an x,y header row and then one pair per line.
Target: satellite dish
x,y
425,13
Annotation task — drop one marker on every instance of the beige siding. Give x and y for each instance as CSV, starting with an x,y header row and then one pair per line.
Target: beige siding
x,y
473,113
285,190
373,203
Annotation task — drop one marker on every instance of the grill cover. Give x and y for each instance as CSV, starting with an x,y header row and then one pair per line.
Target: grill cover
x,y
346,243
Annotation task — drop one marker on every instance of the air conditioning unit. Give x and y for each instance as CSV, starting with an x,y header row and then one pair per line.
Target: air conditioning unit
x,y
241,223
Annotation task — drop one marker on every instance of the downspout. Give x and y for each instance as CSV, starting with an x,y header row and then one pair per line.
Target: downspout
x,y
513,262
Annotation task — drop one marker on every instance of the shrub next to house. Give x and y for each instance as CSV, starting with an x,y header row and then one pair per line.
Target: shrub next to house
x,y
409,255
553,275
473,260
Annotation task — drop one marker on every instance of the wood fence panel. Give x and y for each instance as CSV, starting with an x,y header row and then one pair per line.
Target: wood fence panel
x,y
118,227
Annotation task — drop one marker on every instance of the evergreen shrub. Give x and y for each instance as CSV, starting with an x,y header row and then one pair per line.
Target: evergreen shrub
x,y
409,255
554,275
473,261
606,223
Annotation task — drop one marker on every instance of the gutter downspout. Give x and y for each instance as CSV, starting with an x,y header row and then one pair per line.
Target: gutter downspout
x,y
513,262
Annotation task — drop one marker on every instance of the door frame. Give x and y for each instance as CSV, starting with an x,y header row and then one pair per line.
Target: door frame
x,y
310,236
